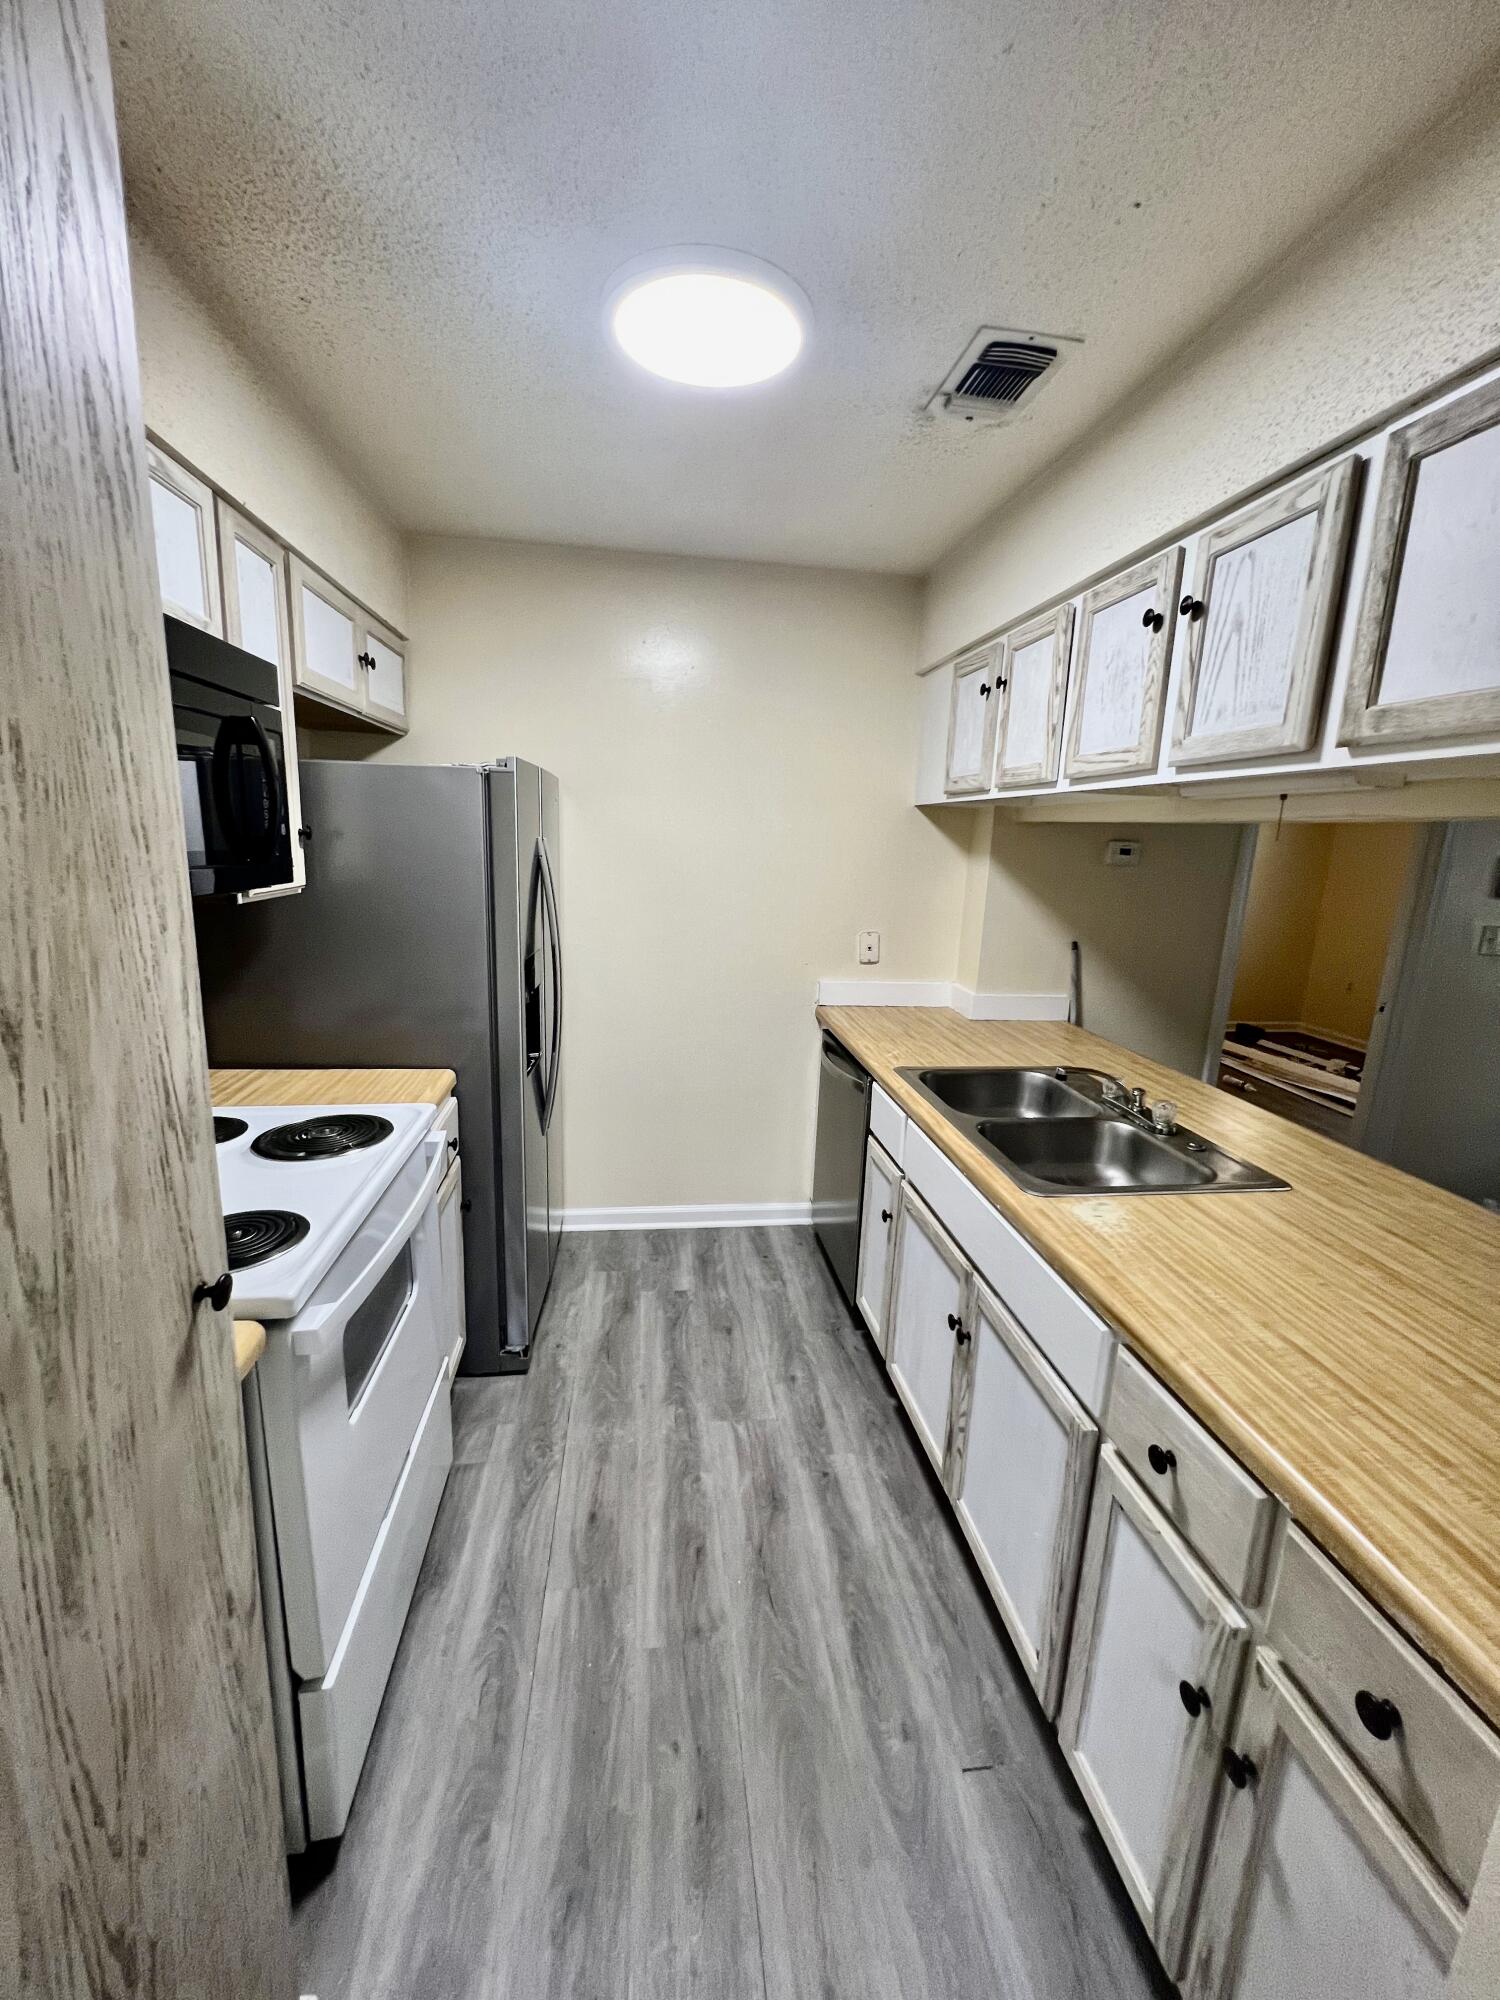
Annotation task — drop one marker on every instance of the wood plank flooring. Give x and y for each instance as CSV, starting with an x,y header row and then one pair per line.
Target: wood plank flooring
x,y
701,1695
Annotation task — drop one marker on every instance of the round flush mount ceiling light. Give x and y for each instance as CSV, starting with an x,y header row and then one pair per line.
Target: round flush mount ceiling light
x,y
713,319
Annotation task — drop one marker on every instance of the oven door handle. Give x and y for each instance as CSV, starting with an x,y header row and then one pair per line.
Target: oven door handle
x,y
309,1336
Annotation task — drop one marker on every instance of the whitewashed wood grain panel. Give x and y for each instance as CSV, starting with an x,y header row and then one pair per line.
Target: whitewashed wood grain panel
x,y
1125,636
1034,676
1260,620
1427,647
141,1816
972,715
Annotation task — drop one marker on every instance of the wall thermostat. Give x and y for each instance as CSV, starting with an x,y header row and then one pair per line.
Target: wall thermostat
x,y
1122,853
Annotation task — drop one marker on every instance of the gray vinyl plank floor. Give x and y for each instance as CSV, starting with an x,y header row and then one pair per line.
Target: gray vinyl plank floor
x,y
701,1694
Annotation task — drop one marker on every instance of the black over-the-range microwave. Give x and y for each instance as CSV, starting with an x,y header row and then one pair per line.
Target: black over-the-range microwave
x,y
231,763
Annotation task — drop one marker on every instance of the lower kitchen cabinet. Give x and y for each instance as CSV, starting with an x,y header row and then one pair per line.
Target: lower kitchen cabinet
x,y
1314,1886
1021,1462
929,1301
1153,1670
877,1236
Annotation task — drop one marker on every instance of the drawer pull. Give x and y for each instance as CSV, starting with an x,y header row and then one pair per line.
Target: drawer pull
x,y
1240,1771
1378,1714
1161,1460
1194,1699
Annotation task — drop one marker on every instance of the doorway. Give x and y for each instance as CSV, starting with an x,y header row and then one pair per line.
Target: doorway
x,y
1323,907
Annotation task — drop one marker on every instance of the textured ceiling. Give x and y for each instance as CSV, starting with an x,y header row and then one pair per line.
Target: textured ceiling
x,y
409,212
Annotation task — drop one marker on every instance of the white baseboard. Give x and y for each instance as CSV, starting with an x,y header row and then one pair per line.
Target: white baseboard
x,y
943,993
692,1215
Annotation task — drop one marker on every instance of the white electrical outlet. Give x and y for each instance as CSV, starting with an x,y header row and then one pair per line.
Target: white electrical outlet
x,y
1122,854
868,946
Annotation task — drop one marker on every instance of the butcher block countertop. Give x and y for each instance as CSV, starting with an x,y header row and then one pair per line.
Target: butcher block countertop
x,y
249,1345
1342,1338
230,1087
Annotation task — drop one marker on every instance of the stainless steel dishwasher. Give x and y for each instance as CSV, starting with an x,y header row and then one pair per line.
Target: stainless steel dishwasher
x,y
839,1162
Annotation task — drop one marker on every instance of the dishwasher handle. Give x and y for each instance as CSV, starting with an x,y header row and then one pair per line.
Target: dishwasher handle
x,y
843,1064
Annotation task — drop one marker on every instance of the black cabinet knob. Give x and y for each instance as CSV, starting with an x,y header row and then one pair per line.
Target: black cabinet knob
x,y
964,1334
1194,1699
1240,1771
1000,681
885,1215
1160,1460
1152,620
1192,607
1380,1716
953,1322
215,1294
984,688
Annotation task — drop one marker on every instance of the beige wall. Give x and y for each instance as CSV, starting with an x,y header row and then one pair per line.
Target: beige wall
x,y
1318,920
1399,289
733,744
211,402
1152,936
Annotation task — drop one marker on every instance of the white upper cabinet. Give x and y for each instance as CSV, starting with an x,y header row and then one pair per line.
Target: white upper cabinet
x,y
383,657
253,570
1313,1888
972,712
1021,1463
187,557
1427,646
1260,621
1033,681
325,638
1152,1675
1120,683
929,1299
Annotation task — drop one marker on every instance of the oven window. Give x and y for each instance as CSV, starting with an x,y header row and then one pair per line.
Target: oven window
x,y
371,1327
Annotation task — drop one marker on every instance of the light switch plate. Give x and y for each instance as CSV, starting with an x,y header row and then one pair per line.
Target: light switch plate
x,y
868,947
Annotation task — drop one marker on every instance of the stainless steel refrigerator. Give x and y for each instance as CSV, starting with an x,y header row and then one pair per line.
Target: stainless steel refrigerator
x,y
427,935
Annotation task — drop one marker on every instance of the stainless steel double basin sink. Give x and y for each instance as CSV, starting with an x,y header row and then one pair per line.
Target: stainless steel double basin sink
x,y
1056,1131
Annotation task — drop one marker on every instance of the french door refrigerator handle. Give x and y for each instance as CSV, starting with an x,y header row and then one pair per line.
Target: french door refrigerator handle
x,y
534,894
554,950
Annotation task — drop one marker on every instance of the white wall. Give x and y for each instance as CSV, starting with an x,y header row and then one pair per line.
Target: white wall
x,y
1399,289
733,744
211,402
1151,936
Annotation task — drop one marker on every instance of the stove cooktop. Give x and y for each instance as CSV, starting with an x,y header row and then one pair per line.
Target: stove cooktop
x,y
296,1183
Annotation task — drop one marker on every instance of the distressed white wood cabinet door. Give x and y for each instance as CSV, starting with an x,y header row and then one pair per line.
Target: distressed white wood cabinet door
x,y
1153,1670
930,1297
187,557
325,638
383,657
971,723
253,566
877,1229
141,1824
1124,649
1034,678
1023,1449
1313,1886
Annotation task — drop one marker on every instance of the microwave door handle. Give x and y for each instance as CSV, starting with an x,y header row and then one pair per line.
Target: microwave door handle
x,y
276,799
233,734
310,1337
554,953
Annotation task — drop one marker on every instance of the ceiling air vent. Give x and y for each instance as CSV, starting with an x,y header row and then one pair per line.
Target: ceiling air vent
x,y
999,373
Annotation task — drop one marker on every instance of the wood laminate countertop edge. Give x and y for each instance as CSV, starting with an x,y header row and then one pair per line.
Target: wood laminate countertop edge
x,y
1442,1599
231,1087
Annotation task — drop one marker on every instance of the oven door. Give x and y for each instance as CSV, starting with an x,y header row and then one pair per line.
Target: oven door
x,y
343,1390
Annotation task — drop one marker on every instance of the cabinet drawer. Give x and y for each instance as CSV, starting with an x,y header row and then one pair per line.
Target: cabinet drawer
x,y
887,1122
1203,1491
1429,1755
1069,1333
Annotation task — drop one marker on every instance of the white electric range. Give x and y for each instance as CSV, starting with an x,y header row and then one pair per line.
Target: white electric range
x,y
331,1227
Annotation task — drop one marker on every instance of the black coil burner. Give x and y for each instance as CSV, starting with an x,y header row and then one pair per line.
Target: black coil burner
x,y
228,1128
322,1138
253,1234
